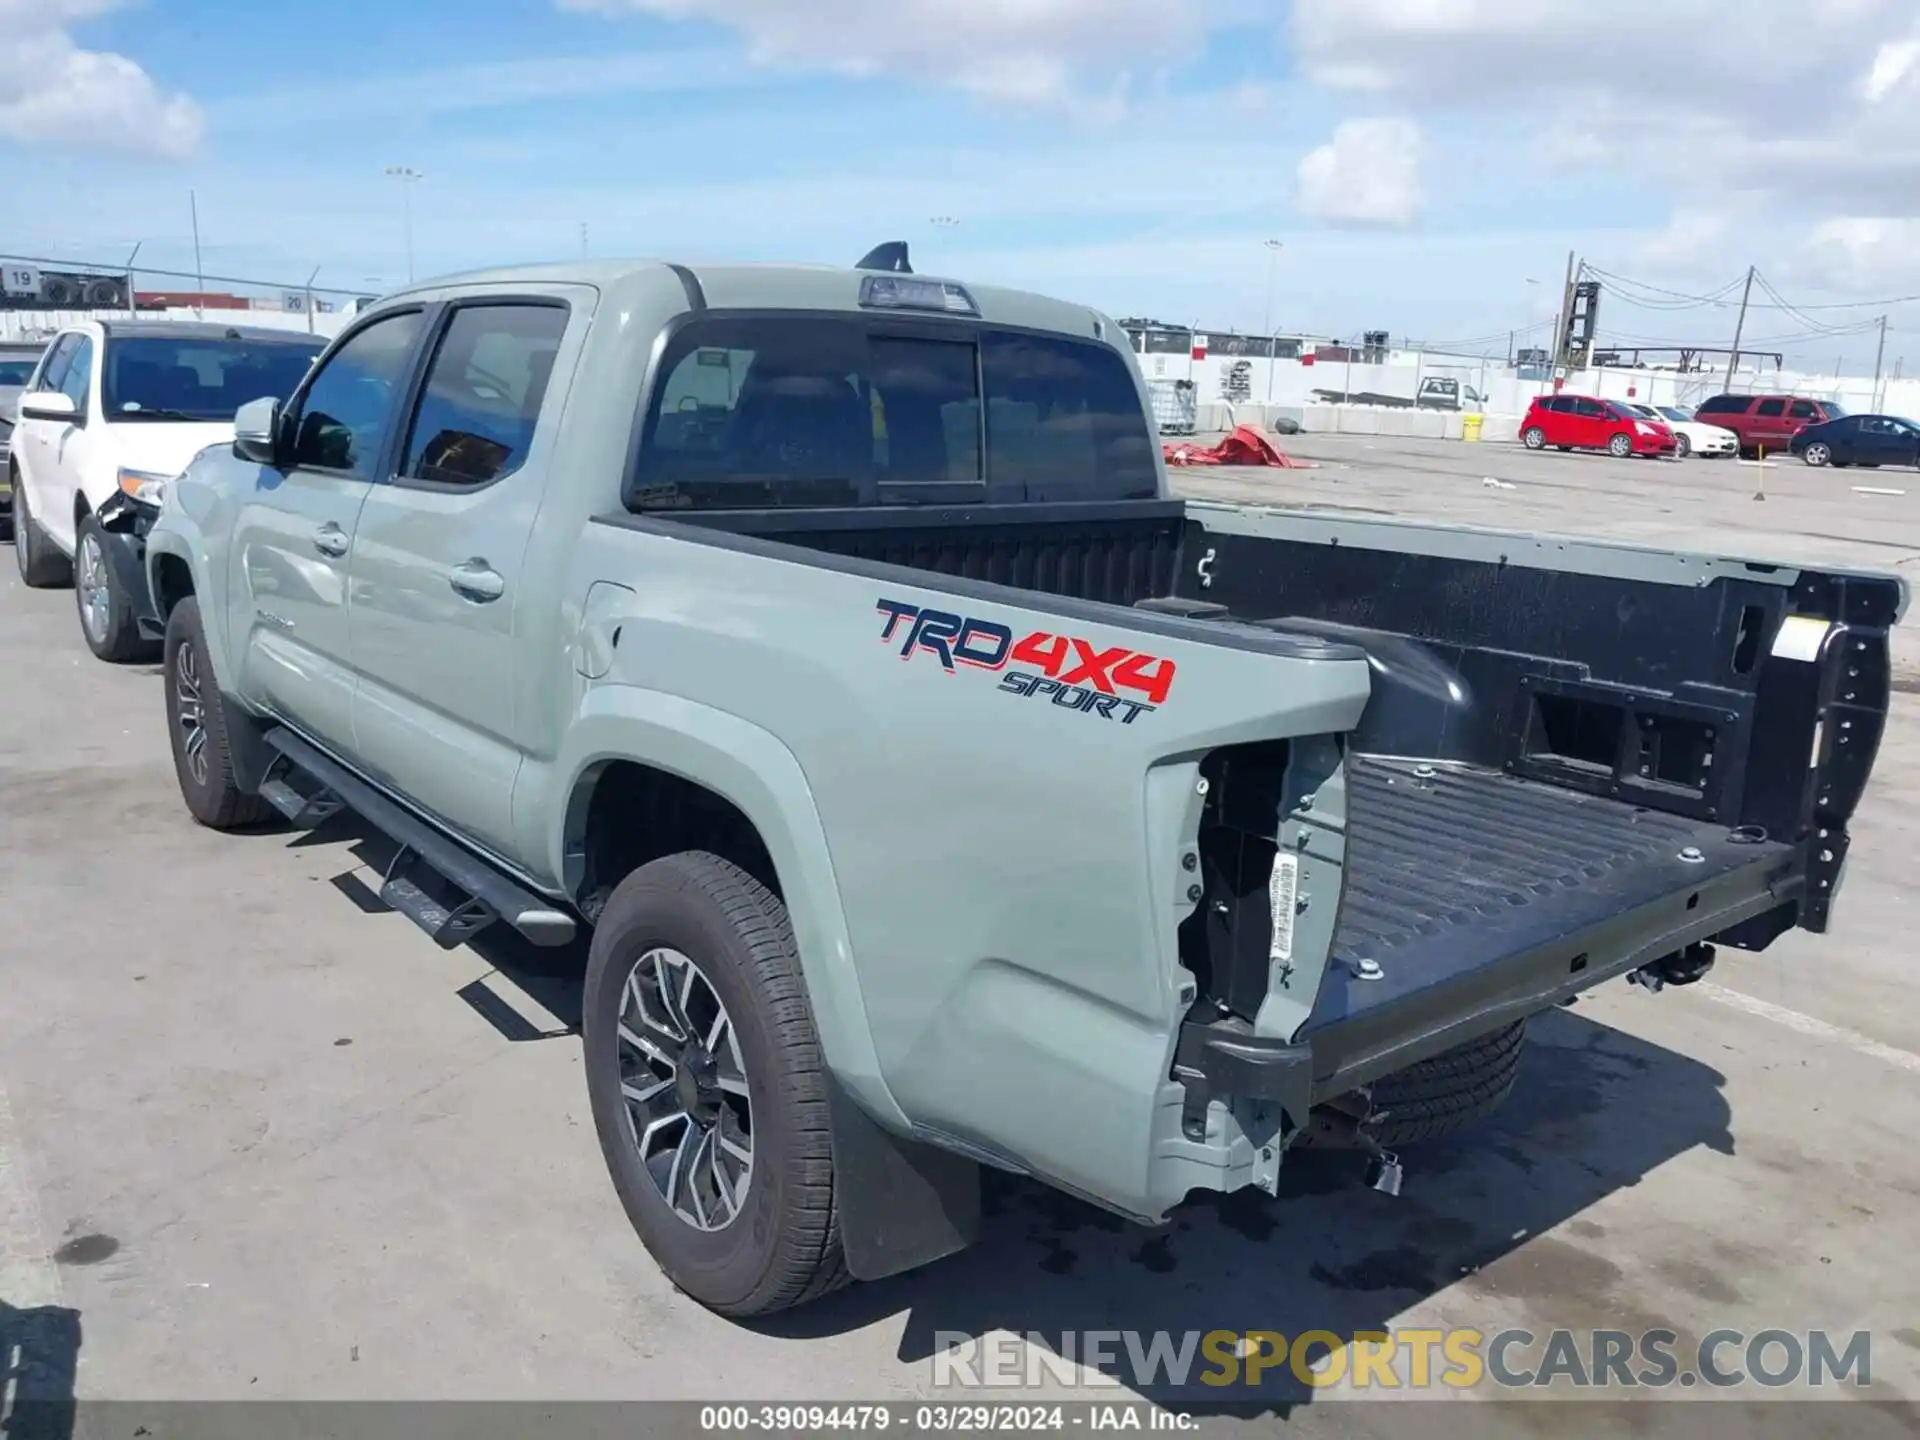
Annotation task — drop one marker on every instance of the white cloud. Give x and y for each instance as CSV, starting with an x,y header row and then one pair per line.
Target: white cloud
x,y
52,89
1815,103
1860,254
1368,174
1077,53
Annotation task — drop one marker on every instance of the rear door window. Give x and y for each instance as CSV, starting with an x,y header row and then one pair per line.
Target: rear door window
x,y
1772,409
823,411
477,411
1803,410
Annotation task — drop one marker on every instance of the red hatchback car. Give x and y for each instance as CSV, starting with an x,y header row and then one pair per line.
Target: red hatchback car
x,y
1583,422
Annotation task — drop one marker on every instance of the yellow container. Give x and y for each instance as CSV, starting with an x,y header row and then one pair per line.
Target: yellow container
x,y
1470,427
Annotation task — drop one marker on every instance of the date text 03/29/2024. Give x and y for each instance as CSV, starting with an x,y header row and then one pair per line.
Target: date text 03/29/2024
x,y
1112,682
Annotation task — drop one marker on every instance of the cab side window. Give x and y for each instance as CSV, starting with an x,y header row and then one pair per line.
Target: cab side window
x,y
477,412
79,376
347,408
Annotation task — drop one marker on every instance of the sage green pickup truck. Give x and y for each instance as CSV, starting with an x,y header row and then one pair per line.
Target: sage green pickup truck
x,y
938,791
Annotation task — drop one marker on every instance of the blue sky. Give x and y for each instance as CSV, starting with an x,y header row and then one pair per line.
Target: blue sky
x,y
1419,160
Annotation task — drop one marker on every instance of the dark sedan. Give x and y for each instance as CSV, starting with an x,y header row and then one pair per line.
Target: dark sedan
x,y
1860,440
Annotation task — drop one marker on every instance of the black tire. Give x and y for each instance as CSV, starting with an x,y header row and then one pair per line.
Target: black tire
x,y
1620,446
107,621
42,566
1682,447
1439,1095
781,1247
205,773
1534,438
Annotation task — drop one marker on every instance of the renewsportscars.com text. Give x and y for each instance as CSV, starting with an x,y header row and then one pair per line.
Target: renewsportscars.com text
x,y
1407,1359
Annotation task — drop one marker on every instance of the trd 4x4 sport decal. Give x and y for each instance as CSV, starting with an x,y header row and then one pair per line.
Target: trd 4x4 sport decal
x,y
1114,682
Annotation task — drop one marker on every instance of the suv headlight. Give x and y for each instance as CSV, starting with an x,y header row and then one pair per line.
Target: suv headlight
x,y
145,485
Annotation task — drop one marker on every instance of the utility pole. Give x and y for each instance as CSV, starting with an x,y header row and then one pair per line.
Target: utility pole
x,y
1879,359
1557,351
199,271
311,274
1739,326
133,286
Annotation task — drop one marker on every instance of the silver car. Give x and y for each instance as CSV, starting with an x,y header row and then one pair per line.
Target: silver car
x,y
17,359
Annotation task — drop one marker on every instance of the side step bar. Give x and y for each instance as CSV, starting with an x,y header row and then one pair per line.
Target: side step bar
x,y
436,883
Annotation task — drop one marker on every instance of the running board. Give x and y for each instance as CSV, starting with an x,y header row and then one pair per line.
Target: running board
x,y
438,884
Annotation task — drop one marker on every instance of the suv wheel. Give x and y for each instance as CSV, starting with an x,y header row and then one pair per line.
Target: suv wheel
x,y
707,1086
197,721
1535,438
106,610
1620,446
41,566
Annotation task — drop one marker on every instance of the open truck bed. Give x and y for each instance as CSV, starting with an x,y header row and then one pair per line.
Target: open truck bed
x,y
1579,760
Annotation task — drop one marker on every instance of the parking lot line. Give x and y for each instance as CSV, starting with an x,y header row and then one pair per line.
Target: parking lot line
x,y
28,1276
1815,1029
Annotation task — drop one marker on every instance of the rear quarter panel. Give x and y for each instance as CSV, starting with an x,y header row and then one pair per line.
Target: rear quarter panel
x,y
1009,869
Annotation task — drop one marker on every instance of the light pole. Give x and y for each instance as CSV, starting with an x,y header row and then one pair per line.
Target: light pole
x,y
1274,247
315,271
1533,294
408,178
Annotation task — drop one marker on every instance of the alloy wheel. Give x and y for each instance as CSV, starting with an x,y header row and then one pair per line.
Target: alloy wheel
x,y
190,712
1818,454
683,1088
96,598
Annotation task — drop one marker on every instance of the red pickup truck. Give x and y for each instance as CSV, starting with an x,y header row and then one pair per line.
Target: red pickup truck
x,y
1766,422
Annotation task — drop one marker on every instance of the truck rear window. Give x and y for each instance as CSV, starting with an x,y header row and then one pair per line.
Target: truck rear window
x,y
809,411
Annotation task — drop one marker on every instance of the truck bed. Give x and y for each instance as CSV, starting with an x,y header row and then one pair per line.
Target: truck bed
x,y
1463,881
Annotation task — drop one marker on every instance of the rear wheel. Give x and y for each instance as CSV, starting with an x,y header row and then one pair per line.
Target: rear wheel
x,y
1682,447
1535,438
41,566
1818,453
708,1088
1620,446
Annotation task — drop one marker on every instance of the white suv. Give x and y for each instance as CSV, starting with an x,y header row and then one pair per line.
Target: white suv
x,y
117,408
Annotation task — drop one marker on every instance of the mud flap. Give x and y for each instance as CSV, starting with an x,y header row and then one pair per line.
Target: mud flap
x,y
902,1203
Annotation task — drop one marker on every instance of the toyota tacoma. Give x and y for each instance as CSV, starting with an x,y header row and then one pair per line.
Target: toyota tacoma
x,y
939,792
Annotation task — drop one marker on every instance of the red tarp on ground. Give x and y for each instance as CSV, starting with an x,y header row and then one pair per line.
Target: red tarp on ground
x,y
1245,446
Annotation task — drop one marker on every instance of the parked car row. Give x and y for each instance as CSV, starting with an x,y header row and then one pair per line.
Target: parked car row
x,y
1818,431
110,412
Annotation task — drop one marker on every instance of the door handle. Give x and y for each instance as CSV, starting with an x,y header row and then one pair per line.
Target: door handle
x,y
331,540
477,581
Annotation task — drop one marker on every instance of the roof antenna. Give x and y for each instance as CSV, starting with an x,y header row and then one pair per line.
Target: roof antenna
x,y
890,256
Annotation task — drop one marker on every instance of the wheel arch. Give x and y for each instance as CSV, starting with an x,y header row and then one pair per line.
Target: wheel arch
x,y
709,773
173,575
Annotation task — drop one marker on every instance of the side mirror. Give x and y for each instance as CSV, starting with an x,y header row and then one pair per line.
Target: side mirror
x,y
256,431
48,405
